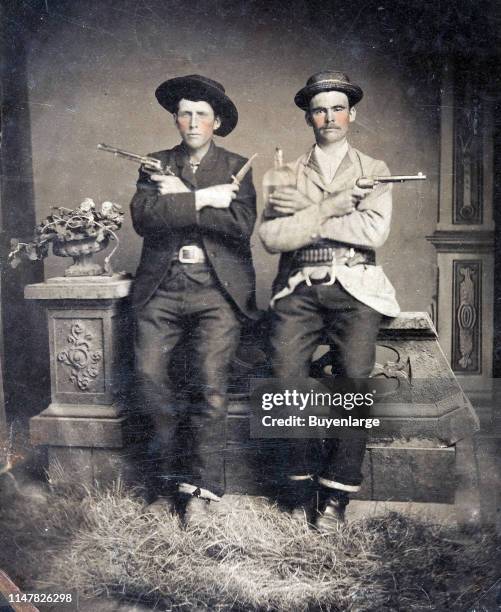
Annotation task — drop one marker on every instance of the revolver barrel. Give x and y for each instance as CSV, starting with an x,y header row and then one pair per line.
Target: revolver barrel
x,y
366,182
149,163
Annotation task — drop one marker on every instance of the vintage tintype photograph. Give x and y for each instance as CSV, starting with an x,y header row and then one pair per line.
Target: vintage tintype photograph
x,y
250,333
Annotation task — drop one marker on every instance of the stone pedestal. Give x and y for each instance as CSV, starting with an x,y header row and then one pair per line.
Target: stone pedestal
x,y
90,344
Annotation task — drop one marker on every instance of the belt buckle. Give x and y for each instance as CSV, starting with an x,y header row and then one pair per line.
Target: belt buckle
x,y
190,257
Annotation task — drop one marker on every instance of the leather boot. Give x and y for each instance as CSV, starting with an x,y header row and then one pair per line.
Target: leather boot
x,y
331,513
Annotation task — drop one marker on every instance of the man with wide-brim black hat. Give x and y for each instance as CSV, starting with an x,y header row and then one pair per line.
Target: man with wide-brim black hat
x,y
195,285
328,289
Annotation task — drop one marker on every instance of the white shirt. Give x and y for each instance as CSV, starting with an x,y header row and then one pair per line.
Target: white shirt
x,y
329,163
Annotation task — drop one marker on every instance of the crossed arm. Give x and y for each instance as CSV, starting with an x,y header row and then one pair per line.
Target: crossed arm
x,y
225,209
349,216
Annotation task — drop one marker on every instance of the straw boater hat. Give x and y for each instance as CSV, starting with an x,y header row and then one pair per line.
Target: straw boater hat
x,y
328,80
195,87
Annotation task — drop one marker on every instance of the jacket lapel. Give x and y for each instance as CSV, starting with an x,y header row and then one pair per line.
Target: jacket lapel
x,y
184,170
348,168
207,166
312,171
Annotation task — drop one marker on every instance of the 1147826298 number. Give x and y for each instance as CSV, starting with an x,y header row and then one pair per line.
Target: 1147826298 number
x,y
40,597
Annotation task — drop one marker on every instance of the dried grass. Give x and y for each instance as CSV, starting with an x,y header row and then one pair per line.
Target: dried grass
x,y
254,557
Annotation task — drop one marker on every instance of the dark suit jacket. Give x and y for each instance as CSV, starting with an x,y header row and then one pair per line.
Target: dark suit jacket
x,y
163,220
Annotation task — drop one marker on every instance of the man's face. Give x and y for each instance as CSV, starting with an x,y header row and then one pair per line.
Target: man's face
x,y
196,123
330,116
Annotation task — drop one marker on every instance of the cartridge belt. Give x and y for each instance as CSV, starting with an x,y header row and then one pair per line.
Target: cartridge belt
x,y
316,255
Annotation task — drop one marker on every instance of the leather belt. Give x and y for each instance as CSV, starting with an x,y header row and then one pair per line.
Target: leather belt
x,y
190,254
330,254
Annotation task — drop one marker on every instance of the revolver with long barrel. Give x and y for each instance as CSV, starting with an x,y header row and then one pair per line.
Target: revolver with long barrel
x,y
367,182
149,164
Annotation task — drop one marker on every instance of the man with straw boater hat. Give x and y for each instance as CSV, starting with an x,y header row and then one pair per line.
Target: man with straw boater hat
x,y
328,289
195,284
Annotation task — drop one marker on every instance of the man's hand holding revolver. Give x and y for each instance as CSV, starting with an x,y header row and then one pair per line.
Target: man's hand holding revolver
x,y
168,184
288,200
346,201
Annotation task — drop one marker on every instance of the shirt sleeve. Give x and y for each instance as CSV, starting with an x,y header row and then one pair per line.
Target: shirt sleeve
x,y
283,234
367,226
238,220
155,214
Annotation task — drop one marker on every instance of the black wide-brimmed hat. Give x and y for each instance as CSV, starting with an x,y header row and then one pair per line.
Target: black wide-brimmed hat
x,y
195,87
328,80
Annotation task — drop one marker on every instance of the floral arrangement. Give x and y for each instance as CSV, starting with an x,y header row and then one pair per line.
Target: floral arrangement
x,y
77,227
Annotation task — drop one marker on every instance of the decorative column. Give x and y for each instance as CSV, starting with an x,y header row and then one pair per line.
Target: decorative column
x,y
464,238
90,355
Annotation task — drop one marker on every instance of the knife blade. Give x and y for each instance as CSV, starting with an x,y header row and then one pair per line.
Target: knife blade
x,y
240,175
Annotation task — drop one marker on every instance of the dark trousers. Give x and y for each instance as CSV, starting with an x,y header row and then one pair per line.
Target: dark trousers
x,y
301,322
189,420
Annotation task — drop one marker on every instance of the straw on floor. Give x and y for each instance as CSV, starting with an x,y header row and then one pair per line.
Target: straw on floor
x,y
254,557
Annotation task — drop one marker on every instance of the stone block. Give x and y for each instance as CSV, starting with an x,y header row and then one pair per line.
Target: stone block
x,y
89,342
76,431
90,365
65,462
467,494
407,473
93,466
84,288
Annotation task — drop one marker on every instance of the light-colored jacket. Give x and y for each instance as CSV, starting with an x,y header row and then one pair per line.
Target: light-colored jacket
x,y
368,226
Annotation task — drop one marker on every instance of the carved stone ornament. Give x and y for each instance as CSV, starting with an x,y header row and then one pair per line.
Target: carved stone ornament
x,y
80,357
466,320
399,368
468,119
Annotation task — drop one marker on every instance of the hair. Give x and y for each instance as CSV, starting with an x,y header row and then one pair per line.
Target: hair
x,y
215,111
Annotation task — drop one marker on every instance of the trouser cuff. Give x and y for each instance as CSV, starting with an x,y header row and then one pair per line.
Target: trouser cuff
x,y
190,489
341,486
